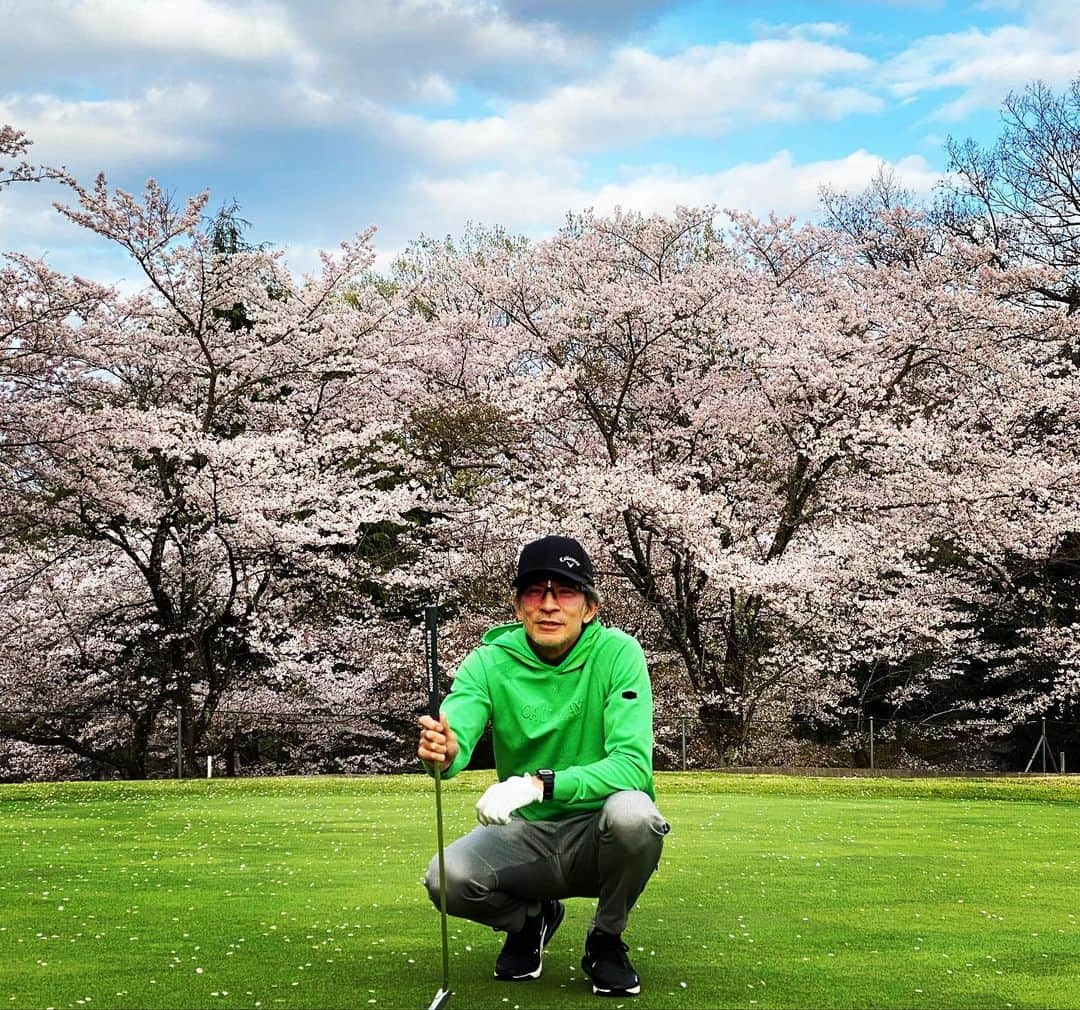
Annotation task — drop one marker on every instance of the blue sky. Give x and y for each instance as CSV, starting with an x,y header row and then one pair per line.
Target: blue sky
x,y
417,116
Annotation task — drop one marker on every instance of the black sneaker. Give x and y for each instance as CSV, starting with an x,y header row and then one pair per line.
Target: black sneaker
x,y
522,956
606,963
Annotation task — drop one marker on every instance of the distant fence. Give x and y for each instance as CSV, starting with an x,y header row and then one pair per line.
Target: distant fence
x,y
249,742
871,743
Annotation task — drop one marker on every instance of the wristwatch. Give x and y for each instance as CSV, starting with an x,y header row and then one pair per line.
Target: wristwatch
x,y
547,776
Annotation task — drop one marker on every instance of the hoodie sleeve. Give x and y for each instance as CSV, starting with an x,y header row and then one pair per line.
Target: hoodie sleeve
x,y
628,735
467,708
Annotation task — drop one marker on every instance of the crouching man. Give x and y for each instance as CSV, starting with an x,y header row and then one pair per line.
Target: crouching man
x,y
570,707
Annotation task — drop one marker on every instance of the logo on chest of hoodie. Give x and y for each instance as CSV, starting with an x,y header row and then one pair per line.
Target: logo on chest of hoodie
x,y
542,712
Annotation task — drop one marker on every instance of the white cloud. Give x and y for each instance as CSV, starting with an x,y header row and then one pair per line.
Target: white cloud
x,y
183,123
386,50
433,88
156,126
824,29
536,203
701,91
530,202
778,185
395,50
984,65
245,33
242,33
28,221
801,30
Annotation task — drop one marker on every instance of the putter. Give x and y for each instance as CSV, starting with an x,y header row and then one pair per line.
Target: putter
x,y
431,653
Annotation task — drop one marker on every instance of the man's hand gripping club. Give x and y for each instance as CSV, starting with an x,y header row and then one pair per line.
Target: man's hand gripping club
x,y
438,744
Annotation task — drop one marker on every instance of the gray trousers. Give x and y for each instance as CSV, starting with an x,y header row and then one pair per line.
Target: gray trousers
x,y
499,874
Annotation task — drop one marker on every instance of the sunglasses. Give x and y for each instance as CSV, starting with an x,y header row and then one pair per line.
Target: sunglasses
x,y
538,590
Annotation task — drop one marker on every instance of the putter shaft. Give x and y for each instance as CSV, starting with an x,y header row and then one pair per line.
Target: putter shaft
x,y
431,642
442,883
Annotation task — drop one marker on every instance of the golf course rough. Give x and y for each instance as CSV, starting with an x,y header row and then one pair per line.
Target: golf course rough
x,y
773,891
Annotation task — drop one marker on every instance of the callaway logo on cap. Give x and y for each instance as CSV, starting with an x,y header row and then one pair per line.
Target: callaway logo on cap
x,y
562,557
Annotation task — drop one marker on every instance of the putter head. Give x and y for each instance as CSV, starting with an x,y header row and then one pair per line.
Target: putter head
x,y
442,997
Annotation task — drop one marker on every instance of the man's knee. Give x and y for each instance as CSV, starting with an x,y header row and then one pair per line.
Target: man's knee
x,y
631,820
466,881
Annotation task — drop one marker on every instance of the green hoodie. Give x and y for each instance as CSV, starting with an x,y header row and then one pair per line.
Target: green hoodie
x,y
589,718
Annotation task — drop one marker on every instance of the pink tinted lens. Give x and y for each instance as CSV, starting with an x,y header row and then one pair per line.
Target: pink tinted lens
x,y
564,594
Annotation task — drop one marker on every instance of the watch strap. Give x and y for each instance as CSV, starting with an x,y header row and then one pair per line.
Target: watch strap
x,y
547,777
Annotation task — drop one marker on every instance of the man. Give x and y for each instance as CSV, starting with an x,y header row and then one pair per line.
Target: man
x,y
570,706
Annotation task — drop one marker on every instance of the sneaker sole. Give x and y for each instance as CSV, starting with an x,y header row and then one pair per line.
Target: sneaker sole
x,y
632,991
529,977
545,939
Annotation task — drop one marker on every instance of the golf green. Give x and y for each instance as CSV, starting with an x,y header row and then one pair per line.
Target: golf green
x,y
772,892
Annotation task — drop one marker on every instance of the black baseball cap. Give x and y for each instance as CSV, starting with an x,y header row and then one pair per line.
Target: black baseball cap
x,y
560,557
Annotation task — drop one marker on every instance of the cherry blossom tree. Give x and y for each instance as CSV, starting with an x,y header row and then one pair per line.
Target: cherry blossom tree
x,y
764,436
1017,200
187,479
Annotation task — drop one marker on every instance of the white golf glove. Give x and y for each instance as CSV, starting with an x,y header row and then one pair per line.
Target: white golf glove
x,y
503,798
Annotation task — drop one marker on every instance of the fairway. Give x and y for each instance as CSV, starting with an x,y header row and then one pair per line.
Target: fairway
x,y
773,892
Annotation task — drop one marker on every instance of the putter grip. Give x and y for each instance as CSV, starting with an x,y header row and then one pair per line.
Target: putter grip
x,y
431,655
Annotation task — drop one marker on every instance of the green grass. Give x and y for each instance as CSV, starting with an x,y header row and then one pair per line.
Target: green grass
x,y
773,892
